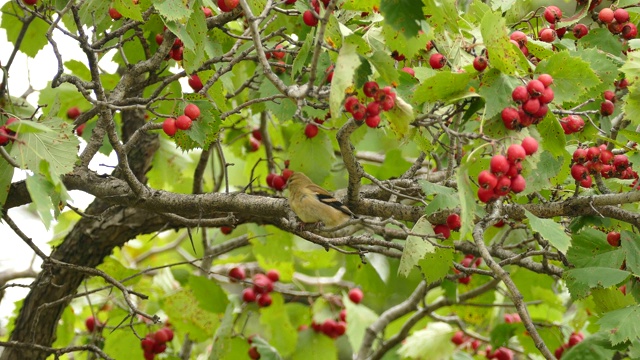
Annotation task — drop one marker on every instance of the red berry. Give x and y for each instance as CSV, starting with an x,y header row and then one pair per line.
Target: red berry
x,y
328,327
516,153
351,101
458,338
115,14
80,129
620,162
579,172
193,111
90,323
373,108
510,118
228,5
486,195
373,121
264,300
609,95
309,19
388,102
226,230
369,88
279,183
356,295
480,63
593,154
262,284
358,111
195,82
606,108
503,186
397,56
409,71
520,94
273,275
286,174
464,280
629,31
253,353
437,61
453,222
606,15
547,35
530,145
279,54
343,314
499,165
531,106
535,88
559,351
580,30
552,14
547,96
30,2
237,273
310,131
147,344
183,122
169,126
248,295
161,336
207,12
621,15
514,170
73,112
442,229
518,184
487,180
519,37
613,238
575,123
340,328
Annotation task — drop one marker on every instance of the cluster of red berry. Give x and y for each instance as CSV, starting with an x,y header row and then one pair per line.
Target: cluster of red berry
x,y
332,328
597,159
383,100
262,285
156,343
6,135
72,113
574,339
278,182
532,99
177,49
572,124
183,122
453,223
552,14
460,339
469,261
503,175
618,22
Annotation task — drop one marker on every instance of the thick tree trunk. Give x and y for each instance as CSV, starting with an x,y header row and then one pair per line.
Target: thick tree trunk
x,y
86,245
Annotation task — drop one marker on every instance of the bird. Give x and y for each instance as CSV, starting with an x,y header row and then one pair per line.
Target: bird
x,y
313,204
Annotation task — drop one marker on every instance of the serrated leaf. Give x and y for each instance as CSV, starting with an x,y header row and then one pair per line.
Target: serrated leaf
x,y
551,231
466,196
188,317
384,64
597,277
443,86
34,36
622,325
589,248
204,130
594,347
209,294
400,117
346,65
610,299
303,56
319,148
632,104
39,189
601,39
416,247
359,318
503,55
432,343
315,346
437,264
572,76
496,89
630,244
173,10
403,15
128,9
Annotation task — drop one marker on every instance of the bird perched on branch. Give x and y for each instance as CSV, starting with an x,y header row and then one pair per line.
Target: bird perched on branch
x,y
313,204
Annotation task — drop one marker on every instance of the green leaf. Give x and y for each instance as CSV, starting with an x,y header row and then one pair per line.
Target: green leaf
x,y
496,90
572,76
432,343
346,65
113,267
79,69
551,231
385,65
204,130
359,5
589,248
33,39
319,148
359,318
601,277
622,325
187,316
403,15
503,55
273,318
314,346
209,294
601,39
466,196
610,299
630,244
128,9
173,10
6,174
39,188
437,264
594,347
400,117
416,247
304,56
194,36
266,351
443,86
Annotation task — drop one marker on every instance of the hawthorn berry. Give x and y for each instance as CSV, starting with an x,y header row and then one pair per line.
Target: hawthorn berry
x,y
183,122
310,19
369,88
480,63
195,83
503,186
310,131
621,15
519,37
580,30
613,238
237,273
458,338
73,112
535,88
518,184
547,35
579,172
115,14
90,324
264,300
409,71
248,295
552,14
530,145
373,121
273,275
286,174
279,183
169,126
453,222
515,153
487,180
520,94
193,112
437,61
442,229
499,165
606,108
356,295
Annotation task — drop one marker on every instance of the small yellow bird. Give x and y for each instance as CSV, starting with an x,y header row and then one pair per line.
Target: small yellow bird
x,y
313,204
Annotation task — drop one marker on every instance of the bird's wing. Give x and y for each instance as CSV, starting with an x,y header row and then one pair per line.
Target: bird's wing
x,y
328,199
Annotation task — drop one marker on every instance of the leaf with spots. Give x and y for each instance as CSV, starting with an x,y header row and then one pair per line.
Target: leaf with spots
x,y
622,325
403,15
503,55
496,88
572,76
